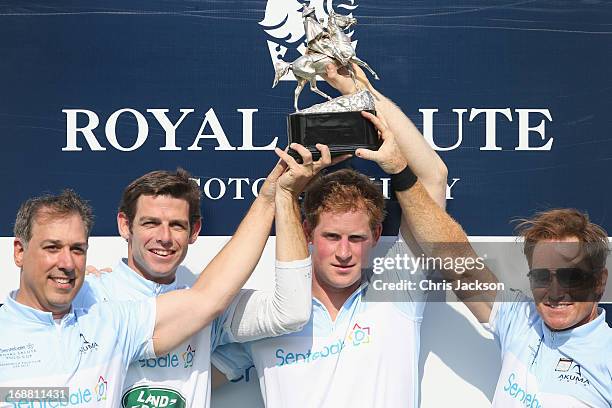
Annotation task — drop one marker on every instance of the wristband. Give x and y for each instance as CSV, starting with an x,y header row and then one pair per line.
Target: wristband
x,y
403,180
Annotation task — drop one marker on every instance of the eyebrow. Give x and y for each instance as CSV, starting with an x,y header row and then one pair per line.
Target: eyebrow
x,y
52,241
354,234
146,218
61,243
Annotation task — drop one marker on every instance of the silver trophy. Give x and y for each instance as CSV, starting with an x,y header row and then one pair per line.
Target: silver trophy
x,y
337,122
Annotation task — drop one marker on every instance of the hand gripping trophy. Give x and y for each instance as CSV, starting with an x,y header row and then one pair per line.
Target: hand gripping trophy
x,y
338,122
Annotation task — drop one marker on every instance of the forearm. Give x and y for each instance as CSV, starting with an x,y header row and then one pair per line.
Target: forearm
x,y
429,223
424,161
232,266
290,239
261,314
439,236
182,313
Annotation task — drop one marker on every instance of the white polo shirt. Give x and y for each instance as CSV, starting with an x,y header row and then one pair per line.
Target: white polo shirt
x,y
367,357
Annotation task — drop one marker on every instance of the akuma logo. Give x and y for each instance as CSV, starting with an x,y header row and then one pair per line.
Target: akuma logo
x,y
283,22
87,345
359,335
572,372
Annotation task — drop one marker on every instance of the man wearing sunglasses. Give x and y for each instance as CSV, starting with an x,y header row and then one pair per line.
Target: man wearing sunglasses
x,y
556,348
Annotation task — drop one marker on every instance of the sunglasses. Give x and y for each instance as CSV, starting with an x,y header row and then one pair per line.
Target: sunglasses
x,y
566,277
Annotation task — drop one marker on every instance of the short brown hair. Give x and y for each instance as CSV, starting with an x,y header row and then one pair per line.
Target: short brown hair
x,y
176,184
54,206
565,223
343,191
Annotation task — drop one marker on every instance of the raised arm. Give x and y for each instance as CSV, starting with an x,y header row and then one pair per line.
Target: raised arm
x,y
263,314
409,145
424,161
437,234
181,313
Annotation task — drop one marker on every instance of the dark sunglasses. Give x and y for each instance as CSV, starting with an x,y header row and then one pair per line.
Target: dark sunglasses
x,y
567,277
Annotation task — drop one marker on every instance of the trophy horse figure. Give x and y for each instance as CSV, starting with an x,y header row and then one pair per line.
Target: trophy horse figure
x,y
325,45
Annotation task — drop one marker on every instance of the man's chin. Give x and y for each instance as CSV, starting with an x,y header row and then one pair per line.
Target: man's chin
x,y
346,282
60,306
558,318
165,274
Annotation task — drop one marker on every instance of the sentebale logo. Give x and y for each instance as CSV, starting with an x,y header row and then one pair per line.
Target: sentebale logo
x,y
359,335
188,356
101,389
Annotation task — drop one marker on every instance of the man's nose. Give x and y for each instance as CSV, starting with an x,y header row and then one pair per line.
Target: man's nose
x,y
65,261
164,235
343,250
555,291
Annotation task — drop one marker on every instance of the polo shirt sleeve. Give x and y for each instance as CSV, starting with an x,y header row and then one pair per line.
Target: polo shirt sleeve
x,y
233,360
510,314
221,332
134,323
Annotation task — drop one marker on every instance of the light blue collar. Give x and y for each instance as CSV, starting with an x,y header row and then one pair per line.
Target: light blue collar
x,y
348,304
138,282
23,312
577,334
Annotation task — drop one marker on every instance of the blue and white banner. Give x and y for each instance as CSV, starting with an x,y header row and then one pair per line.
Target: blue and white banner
x,y
515,95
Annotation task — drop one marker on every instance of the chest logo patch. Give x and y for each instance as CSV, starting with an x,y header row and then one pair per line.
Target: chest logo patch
x,y
87,346
359,335
571,372
564,364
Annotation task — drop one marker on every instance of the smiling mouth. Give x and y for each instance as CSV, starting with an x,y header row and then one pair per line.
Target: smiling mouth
x,y
162,252
62,282
558,306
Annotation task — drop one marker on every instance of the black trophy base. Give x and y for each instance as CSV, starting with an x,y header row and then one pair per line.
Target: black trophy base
x,y
342,132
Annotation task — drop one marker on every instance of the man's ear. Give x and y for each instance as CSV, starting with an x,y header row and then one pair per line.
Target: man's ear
x,y
18,250
195,231
307,231
123,225
377,233
601,285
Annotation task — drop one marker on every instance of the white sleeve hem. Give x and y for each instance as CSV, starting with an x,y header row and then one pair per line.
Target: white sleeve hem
x,y
298,264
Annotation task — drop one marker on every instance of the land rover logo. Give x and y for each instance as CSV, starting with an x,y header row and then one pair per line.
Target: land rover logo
x,y
152,397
